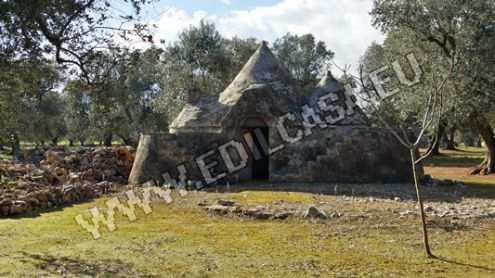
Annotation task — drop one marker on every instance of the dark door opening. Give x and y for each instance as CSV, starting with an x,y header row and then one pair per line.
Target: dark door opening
x,y
260,165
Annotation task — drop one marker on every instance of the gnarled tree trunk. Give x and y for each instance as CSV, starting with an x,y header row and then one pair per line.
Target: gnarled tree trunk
x,y
487,135
54,141
107,141
450,138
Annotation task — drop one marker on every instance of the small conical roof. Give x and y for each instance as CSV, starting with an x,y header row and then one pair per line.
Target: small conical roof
x,y
261,69
329,84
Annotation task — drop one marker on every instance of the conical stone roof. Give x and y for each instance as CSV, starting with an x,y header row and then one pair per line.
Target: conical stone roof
x,y
329,85
261,69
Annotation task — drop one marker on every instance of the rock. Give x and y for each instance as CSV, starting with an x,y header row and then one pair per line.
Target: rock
x,y
227,203
406,213
397,199
258,212
218,209
251,211
429,209
315,213
19,207
263,215
52,157
283,215
73,177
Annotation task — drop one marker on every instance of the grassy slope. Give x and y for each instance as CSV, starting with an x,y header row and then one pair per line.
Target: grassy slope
x,y
175,241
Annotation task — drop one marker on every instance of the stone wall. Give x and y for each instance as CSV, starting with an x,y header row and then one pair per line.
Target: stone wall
x,y
346,154
350,154
162,153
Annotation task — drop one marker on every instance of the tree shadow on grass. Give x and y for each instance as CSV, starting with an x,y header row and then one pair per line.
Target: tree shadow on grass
x,y
440,193
38,212
64,266
450,261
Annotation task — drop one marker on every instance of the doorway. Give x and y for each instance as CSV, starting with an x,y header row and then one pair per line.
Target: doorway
x,y
260,159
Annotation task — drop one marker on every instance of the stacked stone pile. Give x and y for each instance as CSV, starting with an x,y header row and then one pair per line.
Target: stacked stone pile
x,y
62,177
93,165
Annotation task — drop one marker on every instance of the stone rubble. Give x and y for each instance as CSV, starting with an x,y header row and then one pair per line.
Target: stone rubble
x,y
442,199
265,212
314,213
62,177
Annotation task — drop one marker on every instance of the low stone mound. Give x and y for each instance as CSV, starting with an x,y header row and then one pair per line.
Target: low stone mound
x,y
266,212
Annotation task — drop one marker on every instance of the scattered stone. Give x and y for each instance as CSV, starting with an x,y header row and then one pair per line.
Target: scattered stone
x,y
429,209
406,213
227,203
218,209
283,215
315,213
263,215
252,211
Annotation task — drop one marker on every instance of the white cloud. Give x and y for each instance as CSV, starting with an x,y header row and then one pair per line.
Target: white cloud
x,y
345,26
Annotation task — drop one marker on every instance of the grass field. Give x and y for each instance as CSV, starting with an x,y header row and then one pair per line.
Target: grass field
x,y
181,240
457,165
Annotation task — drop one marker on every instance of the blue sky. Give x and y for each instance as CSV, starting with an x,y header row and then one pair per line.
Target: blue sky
x,y
344,25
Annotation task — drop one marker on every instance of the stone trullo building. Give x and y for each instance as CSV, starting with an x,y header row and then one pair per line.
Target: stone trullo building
x,y
262,127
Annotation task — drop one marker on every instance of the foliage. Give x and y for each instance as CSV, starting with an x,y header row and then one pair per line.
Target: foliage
x,y
200,63
464,33
305,57
72,30
28,106
77,111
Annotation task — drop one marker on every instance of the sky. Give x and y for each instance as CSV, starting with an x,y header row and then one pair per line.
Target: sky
x,y
344,25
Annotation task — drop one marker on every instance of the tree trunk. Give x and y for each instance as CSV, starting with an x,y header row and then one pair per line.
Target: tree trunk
x,y
128,141
420,203
55,141
478,143
487,135
450,138
81,141
107,141
435,145
16,146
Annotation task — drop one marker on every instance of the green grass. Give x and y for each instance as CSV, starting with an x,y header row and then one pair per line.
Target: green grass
x,y
5,157
462,157
181,240
457,165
